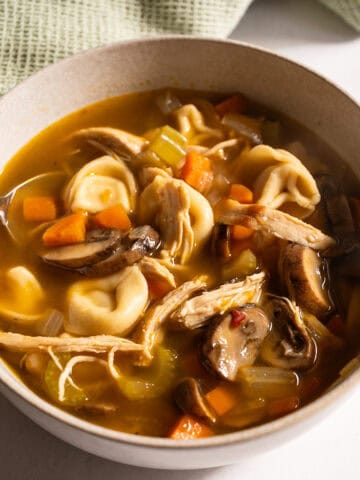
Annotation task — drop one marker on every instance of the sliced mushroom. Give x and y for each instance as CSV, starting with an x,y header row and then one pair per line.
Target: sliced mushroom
x,y
279,224
289,344
105,251
303,272
197,311
234,340
99,245
221,241
113,140
189,398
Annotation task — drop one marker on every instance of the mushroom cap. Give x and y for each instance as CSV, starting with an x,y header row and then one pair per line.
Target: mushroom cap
x,y
105,251
289,344
303,273
189,398
229,346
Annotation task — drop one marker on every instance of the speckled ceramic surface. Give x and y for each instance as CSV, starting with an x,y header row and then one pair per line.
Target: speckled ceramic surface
x,y
186,63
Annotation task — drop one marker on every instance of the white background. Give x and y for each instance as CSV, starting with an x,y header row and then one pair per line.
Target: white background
x,y
308,33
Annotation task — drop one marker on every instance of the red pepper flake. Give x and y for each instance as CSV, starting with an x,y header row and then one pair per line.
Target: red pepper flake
x,y
237,318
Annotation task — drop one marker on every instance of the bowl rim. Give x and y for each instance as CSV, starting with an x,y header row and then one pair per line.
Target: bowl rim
x,y
21,390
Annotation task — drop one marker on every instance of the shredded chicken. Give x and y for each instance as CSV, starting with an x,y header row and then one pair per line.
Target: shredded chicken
x,y
148,174
67,371
279,224
183,216
96,344
194,313
112,140
149,326
152,267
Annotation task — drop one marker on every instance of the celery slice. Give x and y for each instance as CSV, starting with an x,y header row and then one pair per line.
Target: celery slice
x,y
168,145
154,381
244,264
74,397
268,382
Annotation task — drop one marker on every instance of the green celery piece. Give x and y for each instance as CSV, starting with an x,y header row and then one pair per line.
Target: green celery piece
x,y
168,145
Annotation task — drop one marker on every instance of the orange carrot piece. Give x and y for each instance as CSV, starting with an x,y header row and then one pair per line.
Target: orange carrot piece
x,y
241,193
222,399
157,288
233,104
67,230
336,325
283,406
39,209
189,428
239,232
113,217
355,210
197,171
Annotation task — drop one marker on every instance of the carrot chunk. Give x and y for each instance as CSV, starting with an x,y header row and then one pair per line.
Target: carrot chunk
x,y
233,104
67,230
197,171
222,399
113,217
39,209
239,232
241,193
189,428
283,406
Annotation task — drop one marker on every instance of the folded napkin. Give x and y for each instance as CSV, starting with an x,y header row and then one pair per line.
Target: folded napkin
x,y
34,33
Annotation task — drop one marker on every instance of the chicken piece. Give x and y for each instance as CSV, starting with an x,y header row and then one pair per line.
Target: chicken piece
x,y
151,267
146,331
184,217
95,344
148,174
279,224
113,141
196,312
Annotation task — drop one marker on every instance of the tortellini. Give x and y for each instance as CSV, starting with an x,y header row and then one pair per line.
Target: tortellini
x,y
184,216
192,125
111,305
100,184
22,303
279,180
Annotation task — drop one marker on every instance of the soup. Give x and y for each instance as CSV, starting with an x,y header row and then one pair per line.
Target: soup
x,y
179,264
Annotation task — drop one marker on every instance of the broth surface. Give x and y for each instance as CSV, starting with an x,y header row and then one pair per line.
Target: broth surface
x,y
53,150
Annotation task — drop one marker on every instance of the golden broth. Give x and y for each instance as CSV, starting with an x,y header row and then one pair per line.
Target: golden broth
x,y
52,151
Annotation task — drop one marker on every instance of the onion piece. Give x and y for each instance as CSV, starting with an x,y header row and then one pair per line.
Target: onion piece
x,y
246,126
268,382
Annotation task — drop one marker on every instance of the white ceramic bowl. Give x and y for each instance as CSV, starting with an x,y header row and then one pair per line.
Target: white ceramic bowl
x,y
187,63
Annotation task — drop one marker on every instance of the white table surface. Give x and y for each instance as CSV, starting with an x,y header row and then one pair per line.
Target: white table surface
x,y
308,33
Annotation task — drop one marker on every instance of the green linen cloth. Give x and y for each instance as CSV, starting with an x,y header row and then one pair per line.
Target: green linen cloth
x,y
34,33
